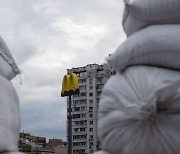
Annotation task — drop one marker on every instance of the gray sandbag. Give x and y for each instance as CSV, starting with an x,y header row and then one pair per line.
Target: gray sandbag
x,y
139,14
9,116
155,45
141,114
8,67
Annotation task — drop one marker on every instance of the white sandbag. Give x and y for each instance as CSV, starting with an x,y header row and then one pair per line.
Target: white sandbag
x,y
102,152
154,45
9,116
139,14
14,153
8,67
141,114
6,70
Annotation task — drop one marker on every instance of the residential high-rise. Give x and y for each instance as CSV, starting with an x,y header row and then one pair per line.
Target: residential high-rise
x,y
91,78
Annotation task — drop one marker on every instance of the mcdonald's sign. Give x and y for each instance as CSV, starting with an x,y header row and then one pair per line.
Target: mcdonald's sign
x,y
70,85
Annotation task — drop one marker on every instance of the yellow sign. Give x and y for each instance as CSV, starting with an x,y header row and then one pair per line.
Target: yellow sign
x,y
70,85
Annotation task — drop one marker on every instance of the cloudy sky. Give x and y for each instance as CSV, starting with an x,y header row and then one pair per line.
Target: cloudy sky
x,y
48,36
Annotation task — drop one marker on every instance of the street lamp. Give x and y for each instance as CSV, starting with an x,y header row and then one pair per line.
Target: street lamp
x,y
70,87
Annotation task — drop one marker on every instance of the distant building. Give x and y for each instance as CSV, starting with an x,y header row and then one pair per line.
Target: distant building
x,y
33,139
37,145
55,142
92,78
60,149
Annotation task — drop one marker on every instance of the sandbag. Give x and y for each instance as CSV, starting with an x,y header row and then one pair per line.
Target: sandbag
x,y
155,45
141,114
9,116
102,152
8,67
14,153
139,14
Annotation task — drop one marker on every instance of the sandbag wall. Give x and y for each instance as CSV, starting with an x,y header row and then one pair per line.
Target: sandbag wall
x,y
139,109
9,102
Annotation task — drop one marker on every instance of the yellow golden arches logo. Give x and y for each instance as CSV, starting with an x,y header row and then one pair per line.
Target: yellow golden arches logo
x,y
70,85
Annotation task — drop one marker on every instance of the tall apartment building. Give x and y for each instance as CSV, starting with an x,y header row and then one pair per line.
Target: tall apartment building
x,y
92,78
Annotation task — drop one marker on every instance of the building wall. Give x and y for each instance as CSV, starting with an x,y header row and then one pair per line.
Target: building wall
x,y
60,149
55,142
85,106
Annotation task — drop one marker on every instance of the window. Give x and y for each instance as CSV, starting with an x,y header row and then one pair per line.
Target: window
x,y
90,115
90,94
81,151
90,109
97,100
79,102
82,80
76,109
91,102
75,129
98,93
91,129
79,136
82,94
82,129
80,122
100,80
75,103
100,86
91,136
90,87
76,95
83,115
82,143
82,101
113,72
91,122
82,87
90,144
76,116
83,108
90,81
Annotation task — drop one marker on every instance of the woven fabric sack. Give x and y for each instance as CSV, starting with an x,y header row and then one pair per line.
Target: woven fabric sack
x,y
102,152
139,112
155,46
139,14
8,67
9,116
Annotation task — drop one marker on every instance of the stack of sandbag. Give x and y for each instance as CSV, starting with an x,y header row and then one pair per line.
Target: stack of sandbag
x,y
9,102
139,109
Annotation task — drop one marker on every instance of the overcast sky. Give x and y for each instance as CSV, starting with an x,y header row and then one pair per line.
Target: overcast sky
x,y
46,37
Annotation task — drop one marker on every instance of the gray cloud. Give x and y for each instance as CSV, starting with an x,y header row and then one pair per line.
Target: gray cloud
x,y
38,119
46,37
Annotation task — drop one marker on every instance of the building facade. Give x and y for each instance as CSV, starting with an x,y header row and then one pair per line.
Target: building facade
x,y
31,144
91,80
38,145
